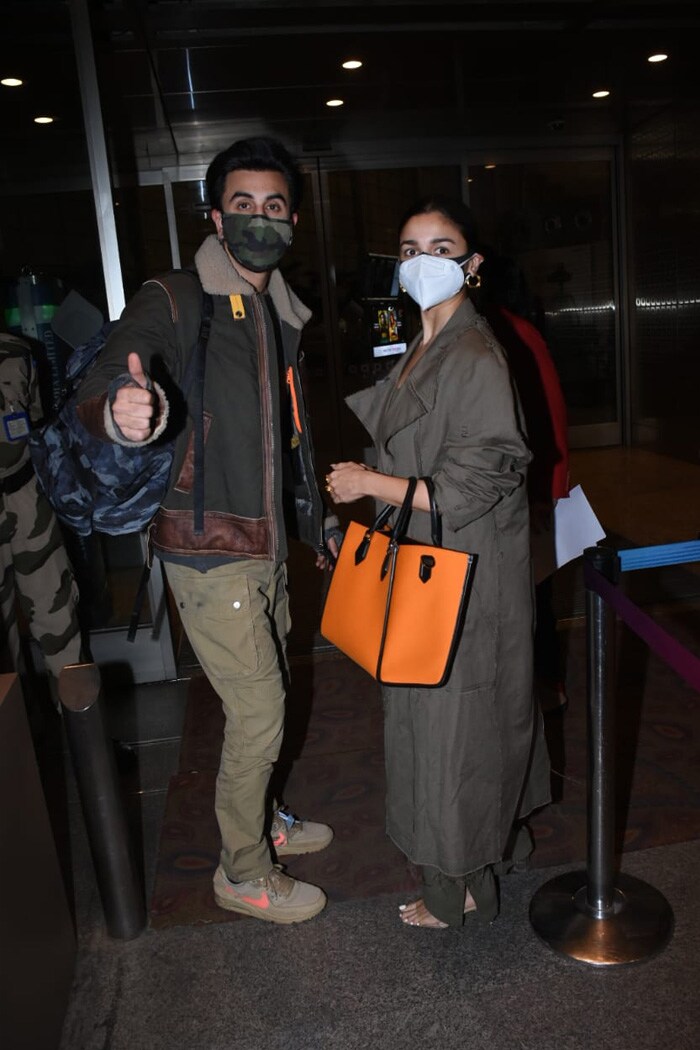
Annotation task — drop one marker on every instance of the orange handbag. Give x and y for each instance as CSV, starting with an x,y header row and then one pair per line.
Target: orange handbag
x,y
394,606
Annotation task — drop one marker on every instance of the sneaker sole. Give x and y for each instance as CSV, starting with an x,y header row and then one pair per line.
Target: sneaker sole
x,y
283,918
296,851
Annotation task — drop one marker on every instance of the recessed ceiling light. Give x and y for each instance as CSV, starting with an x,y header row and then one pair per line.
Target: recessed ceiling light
x,y
657,58
489,167
11,82
352,63
43,120
335,102
600,94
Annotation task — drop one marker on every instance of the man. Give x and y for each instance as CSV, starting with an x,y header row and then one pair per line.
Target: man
x,y
228,575
33,562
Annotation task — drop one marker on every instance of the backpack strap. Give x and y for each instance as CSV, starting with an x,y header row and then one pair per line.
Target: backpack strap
x,y
192,325
198,359
185,294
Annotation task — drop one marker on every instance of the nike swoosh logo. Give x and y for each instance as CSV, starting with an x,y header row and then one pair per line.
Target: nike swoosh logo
x,y
262,902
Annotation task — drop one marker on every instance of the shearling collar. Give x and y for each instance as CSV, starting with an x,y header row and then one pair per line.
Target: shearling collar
x,y
220,277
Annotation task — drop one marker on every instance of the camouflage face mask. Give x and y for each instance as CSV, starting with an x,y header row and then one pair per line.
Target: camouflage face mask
x,y
256,242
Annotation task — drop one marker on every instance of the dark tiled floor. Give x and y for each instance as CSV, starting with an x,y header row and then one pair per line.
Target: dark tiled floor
x,y
641,498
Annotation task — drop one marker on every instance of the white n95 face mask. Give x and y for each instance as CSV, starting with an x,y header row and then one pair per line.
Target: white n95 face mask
x,y
431,279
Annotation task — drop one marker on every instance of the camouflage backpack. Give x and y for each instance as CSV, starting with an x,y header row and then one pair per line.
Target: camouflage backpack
x,y
100,486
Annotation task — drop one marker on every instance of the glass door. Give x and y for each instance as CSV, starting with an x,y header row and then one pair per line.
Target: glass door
x,y
371,324
553,219
552,222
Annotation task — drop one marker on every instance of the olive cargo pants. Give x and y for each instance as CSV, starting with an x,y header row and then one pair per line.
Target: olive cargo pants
x,y
237,618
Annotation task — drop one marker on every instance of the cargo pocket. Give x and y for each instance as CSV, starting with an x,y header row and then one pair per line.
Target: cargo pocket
x,y
218,617
230,620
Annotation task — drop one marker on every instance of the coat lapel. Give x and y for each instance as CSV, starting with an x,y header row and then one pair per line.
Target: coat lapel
x,y
370,404
382,415
420,391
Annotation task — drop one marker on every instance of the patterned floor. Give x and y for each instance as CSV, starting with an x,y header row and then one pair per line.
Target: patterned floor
x,y
332,767
332,760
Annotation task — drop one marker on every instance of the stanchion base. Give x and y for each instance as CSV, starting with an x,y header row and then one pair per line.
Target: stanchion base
x,y
640,925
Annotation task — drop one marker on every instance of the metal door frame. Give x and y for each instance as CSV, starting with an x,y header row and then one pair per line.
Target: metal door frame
x,y
150,658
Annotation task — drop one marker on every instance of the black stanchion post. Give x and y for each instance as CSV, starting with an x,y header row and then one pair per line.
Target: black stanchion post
x,y
112,850
597,916
600,626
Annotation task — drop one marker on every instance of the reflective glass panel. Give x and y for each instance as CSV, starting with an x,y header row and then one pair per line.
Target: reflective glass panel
x,y
553,221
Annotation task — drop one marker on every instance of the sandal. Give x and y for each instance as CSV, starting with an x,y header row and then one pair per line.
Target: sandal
x,y
416,914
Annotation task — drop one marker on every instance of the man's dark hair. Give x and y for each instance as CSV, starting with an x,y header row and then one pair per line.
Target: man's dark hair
x,y
256,154
453,209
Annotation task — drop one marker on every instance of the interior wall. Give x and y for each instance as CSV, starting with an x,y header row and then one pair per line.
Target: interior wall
x,y
663,163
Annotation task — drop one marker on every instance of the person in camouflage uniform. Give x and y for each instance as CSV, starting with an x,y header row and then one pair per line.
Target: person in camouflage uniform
x,y
33,561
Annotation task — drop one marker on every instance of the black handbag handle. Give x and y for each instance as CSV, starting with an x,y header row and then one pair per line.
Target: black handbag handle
x,y
398,530
382,518
404,516
435,519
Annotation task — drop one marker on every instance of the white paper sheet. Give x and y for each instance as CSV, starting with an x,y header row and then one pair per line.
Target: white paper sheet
x,y
573,527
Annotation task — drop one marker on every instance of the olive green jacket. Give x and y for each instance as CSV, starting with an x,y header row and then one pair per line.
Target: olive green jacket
x,y
249,448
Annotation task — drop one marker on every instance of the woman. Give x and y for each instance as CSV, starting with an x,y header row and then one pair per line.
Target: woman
x,y
465,761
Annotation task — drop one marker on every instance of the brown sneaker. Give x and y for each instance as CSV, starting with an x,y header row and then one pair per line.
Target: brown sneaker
x,y
274,897
290,835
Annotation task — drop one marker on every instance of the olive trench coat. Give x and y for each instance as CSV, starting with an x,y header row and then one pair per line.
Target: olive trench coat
x,y
465,760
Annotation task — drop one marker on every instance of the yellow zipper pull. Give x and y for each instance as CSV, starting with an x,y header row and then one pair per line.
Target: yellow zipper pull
x,y
237,307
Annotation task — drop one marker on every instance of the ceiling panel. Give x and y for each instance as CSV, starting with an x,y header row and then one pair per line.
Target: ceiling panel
x,y
178,77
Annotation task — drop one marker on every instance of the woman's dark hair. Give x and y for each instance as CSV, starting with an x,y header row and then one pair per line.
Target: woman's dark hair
x,y
256,154
452,208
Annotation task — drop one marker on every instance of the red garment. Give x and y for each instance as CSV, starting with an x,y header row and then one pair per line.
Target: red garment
x,y
543,403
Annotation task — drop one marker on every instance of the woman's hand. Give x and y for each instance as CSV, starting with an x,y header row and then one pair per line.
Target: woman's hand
x,y
347,482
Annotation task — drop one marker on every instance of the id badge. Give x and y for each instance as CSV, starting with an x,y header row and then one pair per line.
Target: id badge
x,y
16,426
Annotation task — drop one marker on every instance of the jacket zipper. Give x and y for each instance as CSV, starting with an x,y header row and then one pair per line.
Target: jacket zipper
x,y
293,397
306,456
268,436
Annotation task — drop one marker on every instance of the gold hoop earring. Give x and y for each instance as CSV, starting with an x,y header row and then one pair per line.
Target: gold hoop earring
x,y
472,280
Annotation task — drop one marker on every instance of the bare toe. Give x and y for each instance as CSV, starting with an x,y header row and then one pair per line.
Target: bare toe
x,y
416,914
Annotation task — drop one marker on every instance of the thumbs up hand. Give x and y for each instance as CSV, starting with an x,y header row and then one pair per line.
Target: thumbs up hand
x,y
134,407
136,370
